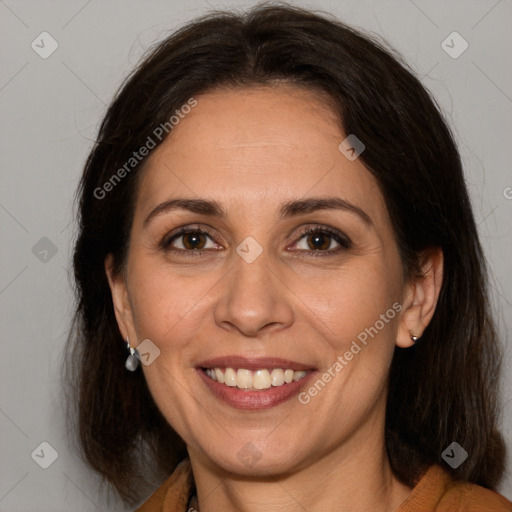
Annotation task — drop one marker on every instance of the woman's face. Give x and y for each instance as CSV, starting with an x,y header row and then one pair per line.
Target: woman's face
x,y
266,279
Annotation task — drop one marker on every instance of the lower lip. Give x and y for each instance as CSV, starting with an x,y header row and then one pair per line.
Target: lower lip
x,y
254,400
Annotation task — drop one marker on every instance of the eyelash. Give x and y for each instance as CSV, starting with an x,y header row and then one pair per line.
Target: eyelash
x,y
343,240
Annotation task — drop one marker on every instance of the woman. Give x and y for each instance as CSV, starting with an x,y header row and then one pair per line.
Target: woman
x,y
274,222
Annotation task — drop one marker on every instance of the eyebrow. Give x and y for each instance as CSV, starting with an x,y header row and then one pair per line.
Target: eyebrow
x,y
289,209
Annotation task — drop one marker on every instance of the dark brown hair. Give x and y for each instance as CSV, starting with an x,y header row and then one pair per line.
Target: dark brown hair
x,y
443,389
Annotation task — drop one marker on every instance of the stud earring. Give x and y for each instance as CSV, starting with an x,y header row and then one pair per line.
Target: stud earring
x,y
132,361
414,338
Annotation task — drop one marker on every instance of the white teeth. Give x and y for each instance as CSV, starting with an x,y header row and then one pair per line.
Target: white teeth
x,y
219,375
244,379
259,379
277,377
230,377
288,376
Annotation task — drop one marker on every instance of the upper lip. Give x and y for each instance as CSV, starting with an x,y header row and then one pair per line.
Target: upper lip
x,y
253,363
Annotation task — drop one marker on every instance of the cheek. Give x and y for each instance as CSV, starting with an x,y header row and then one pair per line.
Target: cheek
x,y
357,315
165,303
347,302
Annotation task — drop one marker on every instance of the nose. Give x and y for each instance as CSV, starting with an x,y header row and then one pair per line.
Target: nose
x,y
254,299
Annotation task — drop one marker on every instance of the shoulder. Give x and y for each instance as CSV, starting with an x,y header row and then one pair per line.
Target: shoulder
x,y
438,491
471,497
174,494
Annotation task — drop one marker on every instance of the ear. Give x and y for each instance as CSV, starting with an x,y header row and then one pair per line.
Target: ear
x,y
420,298
120,299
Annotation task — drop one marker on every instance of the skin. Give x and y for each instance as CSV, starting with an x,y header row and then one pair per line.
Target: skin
x,y
252,150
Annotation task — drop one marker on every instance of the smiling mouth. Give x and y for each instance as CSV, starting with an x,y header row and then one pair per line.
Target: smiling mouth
x,y
256,380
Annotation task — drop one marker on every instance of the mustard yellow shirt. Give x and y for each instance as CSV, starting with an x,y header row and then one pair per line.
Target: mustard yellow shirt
x,y
436,491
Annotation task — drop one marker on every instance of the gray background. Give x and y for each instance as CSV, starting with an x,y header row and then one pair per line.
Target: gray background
x,y
50,110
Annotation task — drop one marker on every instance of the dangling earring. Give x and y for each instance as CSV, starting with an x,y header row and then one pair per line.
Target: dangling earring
x,y
132,361
414,338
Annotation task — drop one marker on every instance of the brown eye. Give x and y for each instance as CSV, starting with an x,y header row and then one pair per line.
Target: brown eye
x,y
319,241
189,241
194,240
322,240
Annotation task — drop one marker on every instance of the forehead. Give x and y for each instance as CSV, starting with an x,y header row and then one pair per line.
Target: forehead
x,y
258,143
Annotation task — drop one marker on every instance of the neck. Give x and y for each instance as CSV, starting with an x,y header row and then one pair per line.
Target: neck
x,y
354,477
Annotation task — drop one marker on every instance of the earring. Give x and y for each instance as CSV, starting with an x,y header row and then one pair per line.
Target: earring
x,y
132,361
414,338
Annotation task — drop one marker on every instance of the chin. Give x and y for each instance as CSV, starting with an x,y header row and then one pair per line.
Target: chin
x,y
247,458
